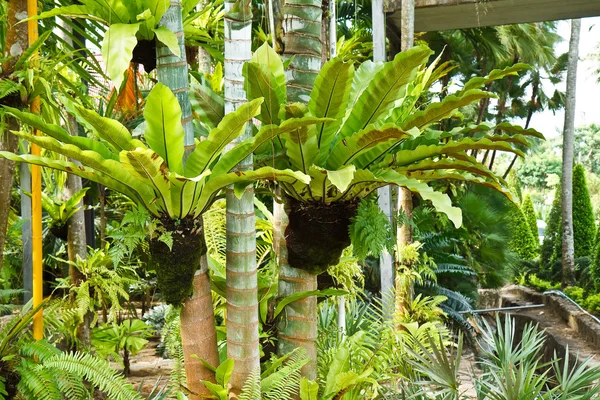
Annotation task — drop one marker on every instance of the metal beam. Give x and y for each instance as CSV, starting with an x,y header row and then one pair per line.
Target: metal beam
x,y
439,15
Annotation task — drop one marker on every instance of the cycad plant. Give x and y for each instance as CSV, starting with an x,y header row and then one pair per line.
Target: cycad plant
x,y
376,136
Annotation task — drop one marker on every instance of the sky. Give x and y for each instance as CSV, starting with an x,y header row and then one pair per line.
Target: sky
x,y
588,89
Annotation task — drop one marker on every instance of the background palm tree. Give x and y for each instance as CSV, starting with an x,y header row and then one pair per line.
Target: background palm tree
x,y
568,250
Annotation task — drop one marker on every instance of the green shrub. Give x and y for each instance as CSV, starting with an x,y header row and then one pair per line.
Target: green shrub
x,y
522,241
576,293
540,284
551,247
592,303
584,227
529,212
595,266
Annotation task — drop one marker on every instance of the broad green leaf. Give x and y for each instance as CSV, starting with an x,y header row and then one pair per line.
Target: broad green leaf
x,y
480,81
223,372
216,183
139,193
301,143
302,295
407,157
73,11
232,126
339,365
264,136
366,181
438,175
147,166
115,133
329,99
365,146
362,79
342,178
449,165
384,90
157,8
218,391
268,58
76,198
61,134
168,38
164,132
309,390
515,129
437,111
208,105
259,84
117,49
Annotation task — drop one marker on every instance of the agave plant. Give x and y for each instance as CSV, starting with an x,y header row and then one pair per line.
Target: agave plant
x,y
153,174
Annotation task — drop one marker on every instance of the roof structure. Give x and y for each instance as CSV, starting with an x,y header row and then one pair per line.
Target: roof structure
x,y
438,15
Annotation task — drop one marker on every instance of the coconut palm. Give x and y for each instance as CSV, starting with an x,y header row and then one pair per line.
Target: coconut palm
x,y
375,137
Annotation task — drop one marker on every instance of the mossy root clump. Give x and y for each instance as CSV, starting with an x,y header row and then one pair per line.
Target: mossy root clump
x,y
60,231
317,233
175,267
144,53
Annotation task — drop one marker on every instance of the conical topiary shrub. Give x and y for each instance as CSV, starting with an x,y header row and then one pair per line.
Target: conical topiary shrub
x,y
530,217
522,240
584,227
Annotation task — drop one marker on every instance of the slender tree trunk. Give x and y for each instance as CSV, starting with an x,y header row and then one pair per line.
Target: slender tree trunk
x,y
173,71
405,202
568,251
15,45
302,40
197,316
302,23
242,287
299,327
198,334
386,261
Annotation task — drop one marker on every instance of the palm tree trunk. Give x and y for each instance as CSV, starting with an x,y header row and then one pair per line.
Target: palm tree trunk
x,y
302,40
299,327
198,333
173,71
15,44
405,202
568,251
242,287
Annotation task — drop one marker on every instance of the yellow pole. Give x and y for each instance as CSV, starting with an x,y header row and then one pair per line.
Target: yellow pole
x,y
36,198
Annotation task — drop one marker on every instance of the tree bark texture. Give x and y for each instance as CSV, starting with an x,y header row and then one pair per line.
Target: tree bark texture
x,y
568,250
15,45
242,287
302,40
172,71
198,335
297,327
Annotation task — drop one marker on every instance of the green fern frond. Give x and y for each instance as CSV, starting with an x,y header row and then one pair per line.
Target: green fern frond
x,y
371,232
96,371
251,389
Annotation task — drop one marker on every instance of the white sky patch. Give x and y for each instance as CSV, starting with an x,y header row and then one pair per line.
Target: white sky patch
x,y
588,88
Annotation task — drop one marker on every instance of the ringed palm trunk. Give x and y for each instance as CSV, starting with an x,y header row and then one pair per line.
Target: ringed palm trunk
x,y
299,326
242,288
198,333
405,202
15,45
568,252
302,21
